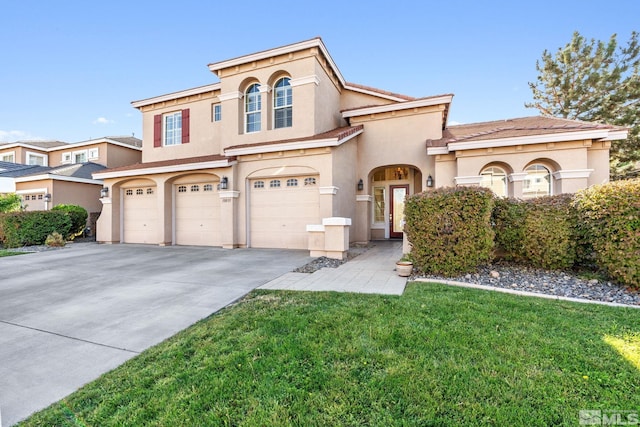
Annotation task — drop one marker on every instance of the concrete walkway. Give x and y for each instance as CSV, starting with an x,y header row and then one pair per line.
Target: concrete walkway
x,y
371,272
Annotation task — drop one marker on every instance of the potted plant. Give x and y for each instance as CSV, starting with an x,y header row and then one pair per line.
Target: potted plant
x,y
404,266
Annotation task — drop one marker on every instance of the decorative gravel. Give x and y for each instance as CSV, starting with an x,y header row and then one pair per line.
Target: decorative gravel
x,y
324,262
557,283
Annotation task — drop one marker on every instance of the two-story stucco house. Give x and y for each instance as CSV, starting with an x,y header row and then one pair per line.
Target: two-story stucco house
x,y
283,148
47,173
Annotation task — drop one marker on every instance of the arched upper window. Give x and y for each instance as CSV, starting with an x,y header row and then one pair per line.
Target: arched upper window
x,y
282,104
252,108
495,178
537,183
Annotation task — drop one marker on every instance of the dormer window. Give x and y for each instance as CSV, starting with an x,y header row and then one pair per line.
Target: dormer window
x,y
252,108
282,104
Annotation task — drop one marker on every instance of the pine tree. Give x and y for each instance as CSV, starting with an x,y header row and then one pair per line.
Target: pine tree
x,y
597,82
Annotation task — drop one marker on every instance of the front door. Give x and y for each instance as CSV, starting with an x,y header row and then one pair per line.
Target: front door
x,y
396,210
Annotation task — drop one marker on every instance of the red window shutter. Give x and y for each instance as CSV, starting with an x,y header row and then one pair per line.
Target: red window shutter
x,y
185,126
157,130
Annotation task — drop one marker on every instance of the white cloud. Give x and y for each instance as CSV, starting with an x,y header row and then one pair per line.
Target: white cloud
x,y
14,135
102,121
454,123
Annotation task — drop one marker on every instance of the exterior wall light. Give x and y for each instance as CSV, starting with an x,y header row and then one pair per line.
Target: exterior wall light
x,y
429,181
47,197
360,185
223,183
104,192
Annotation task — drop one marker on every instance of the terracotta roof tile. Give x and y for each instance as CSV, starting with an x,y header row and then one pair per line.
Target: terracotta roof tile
x,y
338,134
172,162
380,91
512,128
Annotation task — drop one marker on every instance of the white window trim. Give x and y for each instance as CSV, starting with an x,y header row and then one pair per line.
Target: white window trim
x,y
275,109
79,152
93,153
9,153
261,90
164,129
45,158
67,157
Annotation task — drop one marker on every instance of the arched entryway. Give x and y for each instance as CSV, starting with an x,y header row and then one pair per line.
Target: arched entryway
x,y
389,187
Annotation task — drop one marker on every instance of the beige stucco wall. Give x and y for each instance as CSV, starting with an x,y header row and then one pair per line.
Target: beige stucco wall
x,y
397,139
20,153
598,160
64,192
109,155
203,140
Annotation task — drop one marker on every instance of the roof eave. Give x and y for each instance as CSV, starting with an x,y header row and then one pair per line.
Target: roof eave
x,y
427,102
164,169
283,50
292,145
175,95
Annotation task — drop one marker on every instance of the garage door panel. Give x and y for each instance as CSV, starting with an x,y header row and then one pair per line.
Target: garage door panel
x,y
197,215
280,215
140,215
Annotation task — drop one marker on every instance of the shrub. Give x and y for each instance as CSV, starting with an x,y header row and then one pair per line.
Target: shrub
x,y
78,216
548,233
508,218
10,202
55,239
609,215
450,229
32,227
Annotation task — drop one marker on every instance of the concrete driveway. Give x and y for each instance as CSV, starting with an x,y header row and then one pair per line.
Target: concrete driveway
x,y
69,315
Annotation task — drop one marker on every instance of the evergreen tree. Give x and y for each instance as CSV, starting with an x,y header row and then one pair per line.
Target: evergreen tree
x,y
594,81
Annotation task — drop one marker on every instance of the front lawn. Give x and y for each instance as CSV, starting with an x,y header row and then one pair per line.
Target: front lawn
x,y
435,356
5,252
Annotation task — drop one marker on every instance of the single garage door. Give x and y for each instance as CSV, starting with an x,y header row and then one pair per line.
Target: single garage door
x,y
197,214
281,209
140,223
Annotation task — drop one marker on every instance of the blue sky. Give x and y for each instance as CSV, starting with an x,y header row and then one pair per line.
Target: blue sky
x,y
70,69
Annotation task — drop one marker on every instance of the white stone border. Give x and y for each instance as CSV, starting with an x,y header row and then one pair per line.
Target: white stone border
x,y
522,293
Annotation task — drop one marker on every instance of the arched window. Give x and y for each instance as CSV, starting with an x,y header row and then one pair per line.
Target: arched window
x,y
252,108
495,179
537,183
282,104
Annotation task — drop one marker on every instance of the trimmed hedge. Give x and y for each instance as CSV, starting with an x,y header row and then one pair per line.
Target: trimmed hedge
x,y
10,202
78,216
539,232
32,227
450,229
609,215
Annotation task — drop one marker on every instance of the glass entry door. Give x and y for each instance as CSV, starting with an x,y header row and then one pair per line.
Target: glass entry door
x,y
396,210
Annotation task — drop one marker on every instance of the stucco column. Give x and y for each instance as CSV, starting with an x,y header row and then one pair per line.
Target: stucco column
x,y
107,226
516,180
570,181
363,218
326,201
228,214
164,198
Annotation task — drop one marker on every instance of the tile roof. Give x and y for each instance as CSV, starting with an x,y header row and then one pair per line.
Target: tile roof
x,y
513,128
41,144
14,170
78,170
172,162
380,91
129,140
337,134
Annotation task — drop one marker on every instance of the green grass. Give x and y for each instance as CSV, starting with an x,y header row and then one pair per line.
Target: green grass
x,y
437,356
5,252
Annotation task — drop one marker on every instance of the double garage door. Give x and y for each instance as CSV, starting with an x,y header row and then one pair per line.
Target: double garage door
x,y
196,215
281,209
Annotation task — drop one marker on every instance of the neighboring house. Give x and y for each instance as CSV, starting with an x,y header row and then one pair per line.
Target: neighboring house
x,y
47,173
284,153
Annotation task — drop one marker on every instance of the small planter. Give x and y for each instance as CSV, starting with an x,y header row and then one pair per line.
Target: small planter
x,y
404,268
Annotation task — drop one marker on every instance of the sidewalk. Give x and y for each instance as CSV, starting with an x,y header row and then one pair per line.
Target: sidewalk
x,y
372,272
